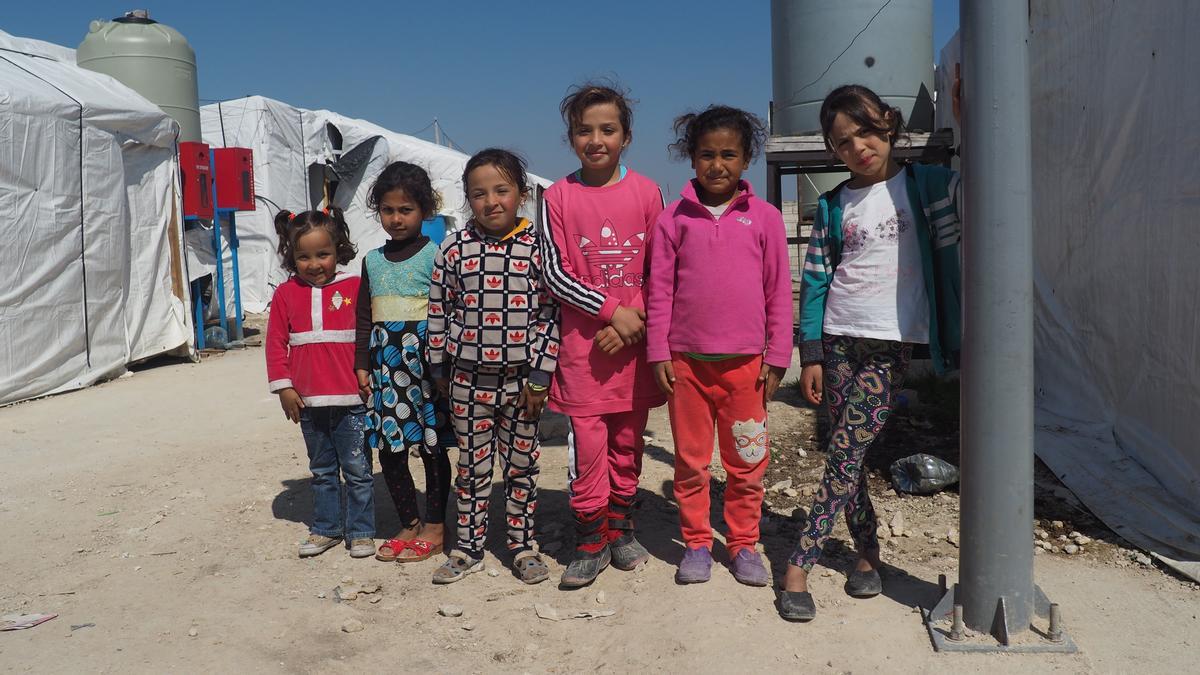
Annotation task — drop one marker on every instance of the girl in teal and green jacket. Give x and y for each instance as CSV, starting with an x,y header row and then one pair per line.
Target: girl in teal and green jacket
x,y
881,275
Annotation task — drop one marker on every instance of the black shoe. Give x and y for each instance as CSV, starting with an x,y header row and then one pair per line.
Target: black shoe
x,y
584,569
797,606
628,552
864,584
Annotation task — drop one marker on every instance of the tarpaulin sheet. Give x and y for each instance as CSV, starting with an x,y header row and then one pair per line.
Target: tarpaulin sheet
x,y
1117,243
87,184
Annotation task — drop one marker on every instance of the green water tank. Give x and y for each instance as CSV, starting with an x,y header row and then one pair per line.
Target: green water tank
x,y
151,58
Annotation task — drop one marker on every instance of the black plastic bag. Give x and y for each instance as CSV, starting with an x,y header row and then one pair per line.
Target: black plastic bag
x,y
922,474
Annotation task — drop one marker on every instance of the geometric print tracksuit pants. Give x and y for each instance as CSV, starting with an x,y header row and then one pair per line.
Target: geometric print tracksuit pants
x,y
487,422
860,377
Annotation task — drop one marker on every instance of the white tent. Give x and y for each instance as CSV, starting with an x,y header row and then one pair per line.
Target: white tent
x,y
287,141
87,197
1117,240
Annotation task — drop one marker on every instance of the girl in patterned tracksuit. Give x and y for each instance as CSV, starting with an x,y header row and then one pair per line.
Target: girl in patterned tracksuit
x,y
389,360
493,345
881,274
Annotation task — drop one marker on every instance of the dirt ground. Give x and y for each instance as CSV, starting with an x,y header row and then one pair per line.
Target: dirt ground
x,y
158,516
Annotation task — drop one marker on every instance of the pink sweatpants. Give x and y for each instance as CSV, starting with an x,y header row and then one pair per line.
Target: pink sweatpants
x,y
604,457
727,392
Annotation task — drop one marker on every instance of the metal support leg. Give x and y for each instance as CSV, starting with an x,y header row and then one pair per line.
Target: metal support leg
x,y
237,278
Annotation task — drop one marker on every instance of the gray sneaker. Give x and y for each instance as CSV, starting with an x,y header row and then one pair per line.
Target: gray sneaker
x,y
317,544
696,566
362,548
628,552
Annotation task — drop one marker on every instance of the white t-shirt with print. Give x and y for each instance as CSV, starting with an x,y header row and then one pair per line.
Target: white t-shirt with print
x,y
878,290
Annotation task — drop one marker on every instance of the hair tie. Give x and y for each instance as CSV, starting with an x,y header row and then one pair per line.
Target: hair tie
x,y
291,217
325,210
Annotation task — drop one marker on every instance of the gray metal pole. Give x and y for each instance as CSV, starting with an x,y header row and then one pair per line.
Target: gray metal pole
x,y
996,558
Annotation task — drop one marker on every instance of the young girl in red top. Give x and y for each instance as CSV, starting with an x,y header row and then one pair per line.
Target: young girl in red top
x,y
310,365
595,223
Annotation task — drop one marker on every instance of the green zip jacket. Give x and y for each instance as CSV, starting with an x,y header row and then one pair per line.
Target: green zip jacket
x,y
939,233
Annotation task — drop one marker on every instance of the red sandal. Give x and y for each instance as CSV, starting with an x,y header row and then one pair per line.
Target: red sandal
x,y
422,548
391,549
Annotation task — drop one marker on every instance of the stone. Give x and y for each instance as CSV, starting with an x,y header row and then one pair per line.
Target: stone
x,y
952,537
1057,524
791,492
1053,549
493,572
352,626
601,598
1037,551
193,631
1070,549
781,485
450,610
547,612
1144,559
897,524
1073,534
1062,537
802,452
468,627
1041,534
1082,540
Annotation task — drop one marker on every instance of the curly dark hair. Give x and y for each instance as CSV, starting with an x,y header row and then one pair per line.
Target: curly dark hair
x,y
691,126
291,226
508,163
410,178
865,108
581,97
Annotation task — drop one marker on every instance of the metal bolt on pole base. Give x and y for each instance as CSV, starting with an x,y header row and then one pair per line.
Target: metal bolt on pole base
x,y
947,633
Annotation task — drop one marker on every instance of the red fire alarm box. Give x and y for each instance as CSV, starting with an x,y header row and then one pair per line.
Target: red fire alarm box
x,y
196,176
235,178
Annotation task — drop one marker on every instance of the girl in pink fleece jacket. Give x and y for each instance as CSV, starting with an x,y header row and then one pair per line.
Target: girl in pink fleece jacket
x,y
719,333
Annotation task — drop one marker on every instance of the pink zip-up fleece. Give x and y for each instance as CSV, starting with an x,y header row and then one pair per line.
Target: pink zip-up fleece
x,y
719,285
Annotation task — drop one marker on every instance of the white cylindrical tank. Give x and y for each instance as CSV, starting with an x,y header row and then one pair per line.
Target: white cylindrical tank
x,y
151,58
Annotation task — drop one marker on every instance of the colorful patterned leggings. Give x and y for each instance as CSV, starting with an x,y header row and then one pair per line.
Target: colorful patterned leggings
x,y
487,422
860,375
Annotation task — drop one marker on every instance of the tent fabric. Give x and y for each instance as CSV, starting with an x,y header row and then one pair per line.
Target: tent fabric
x,y
1117,234
87,182
286,140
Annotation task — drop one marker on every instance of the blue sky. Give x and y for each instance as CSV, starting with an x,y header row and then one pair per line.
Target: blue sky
x,y
492,73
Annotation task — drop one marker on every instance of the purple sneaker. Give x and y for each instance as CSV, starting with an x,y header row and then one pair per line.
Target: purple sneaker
x,y
696,566
748,568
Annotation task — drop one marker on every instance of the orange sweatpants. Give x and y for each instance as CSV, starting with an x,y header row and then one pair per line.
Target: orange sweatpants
x,y
728,394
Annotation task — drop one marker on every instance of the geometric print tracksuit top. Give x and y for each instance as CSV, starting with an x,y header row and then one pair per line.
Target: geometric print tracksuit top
x,y
492,328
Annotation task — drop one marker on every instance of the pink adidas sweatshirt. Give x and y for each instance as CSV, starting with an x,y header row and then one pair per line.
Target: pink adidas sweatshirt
x,y
719,285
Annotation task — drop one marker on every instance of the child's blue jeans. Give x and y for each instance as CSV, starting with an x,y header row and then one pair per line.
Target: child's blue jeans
x,y
334,436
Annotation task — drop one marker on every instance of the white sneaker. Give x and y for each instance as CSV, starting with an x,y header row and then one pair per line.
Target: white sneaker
x,y
317,544
362,548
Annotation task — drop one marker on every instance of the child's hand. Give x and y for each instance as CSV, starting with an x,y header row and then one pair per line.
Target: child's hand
x,y
630,324
532,401
664,374
364,384
812,383
609,340
291,403
443,386
770,376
